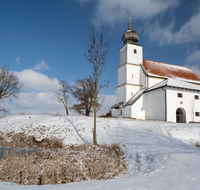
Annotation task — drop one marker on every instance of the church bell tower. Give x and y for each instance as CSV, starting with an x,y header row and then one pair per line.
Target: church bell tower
x,y
129,71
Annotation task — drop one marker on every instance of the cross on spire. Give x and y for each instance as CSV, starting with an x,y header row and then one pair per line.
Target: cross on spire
x,y
130,26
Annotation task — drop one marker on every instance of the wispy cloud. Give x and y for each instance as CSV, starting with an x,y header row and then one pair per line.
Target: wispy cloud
x,y
115,11
150,12
194,56
189,32
41,66
17,60
82,2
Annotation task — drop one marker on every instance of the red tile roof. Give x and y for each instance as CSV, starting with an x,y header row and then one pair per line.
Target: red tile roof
x,y
169,71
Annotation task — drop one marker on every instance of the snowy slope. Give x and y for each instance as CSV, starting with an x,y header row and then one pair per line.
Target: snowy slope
x,y
157,157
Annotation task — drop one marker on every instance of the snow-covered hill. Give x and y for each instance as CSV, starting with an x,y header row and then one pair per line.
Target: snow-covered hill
x,y
156,154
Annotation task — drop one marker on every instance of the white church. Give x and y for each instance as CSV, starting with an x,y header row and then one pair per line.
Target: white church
x,y
151,90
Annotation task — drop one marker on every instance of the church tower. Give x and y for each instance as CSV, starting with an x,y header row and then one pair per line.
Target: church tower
x,y
130,75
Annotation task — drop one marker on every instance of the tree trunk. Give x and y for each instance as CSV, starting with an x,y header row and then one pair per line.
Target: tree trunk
x,y
67,111
95,111
87,112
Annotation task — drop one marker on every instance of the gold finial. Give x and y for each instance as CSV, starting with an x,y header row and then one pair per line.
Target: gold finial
x,y
129,26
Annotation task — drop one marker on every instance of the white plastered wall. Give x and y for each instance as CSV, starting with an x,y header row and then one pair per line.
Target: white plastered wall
x,y
121,95
127,55
135,58
153,81
114,112
155,105
138,109
187,102
124,93
130,91
127,112
122,56
133,74
143,79
122,75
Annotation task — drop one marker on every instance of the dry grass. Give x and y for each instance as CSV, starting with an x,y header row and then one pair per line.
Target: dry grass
x,y
21,140
1,136
72,164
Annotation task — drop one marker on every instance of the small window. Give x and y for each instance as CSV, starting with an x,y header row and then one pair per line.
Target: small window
x,y
180,95
132,76
197,114
196,97
131,93
135,51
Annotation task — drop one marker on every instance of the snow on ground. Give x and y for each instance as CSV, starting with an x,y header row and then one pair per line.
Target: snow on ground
x,y
156,154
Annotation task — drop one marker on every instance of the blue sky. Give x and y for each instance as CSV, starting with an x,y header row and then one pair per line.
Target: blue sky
x,y
44,41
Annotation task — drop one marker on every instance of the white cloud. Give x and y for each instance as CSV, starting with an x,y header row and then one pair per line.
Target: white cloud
x,y
113,11
189,32
109,101
42,102
194,56
17,60
36,81
41,66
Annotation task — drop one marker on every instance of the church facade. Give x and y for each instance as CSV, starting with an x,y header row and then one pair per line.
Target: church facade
x,y
151,90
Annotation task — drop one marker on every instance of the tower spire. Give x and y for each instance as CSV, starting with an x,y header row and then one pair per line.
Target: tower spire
x,y
130,36
130,26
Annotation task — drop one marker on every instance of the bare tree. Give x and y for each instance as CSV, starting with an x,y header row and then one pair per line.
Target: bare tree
x,y
84,91
10,85
97,53
62,94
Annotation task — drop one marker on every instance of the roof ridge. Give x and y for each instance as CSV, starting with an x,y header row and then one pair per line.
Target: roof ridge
x,y
170,70
167,63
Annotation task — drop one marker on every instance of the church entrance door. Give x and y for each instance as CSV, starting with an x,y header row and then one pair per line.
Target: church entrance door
x,y
180,115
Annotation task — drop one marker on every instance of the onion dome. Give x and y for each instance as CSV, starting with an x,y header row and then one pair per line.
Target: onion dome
x,y
130,36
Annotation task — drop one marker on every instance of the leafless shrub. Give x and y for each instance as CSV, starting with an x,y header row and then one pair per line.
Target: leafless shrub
x,y
57,114
73,164
108,114
116,146
195,143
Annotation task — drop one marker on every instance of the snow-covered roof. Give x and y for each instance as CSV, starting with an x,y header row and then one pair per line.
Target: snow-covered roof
x,y
177,83
135,97
169,71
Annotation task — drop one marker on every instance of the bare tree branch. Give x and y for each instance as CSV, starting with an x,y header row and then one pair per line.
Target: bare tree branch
x,y
62,94
97,53
10,85
84,91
